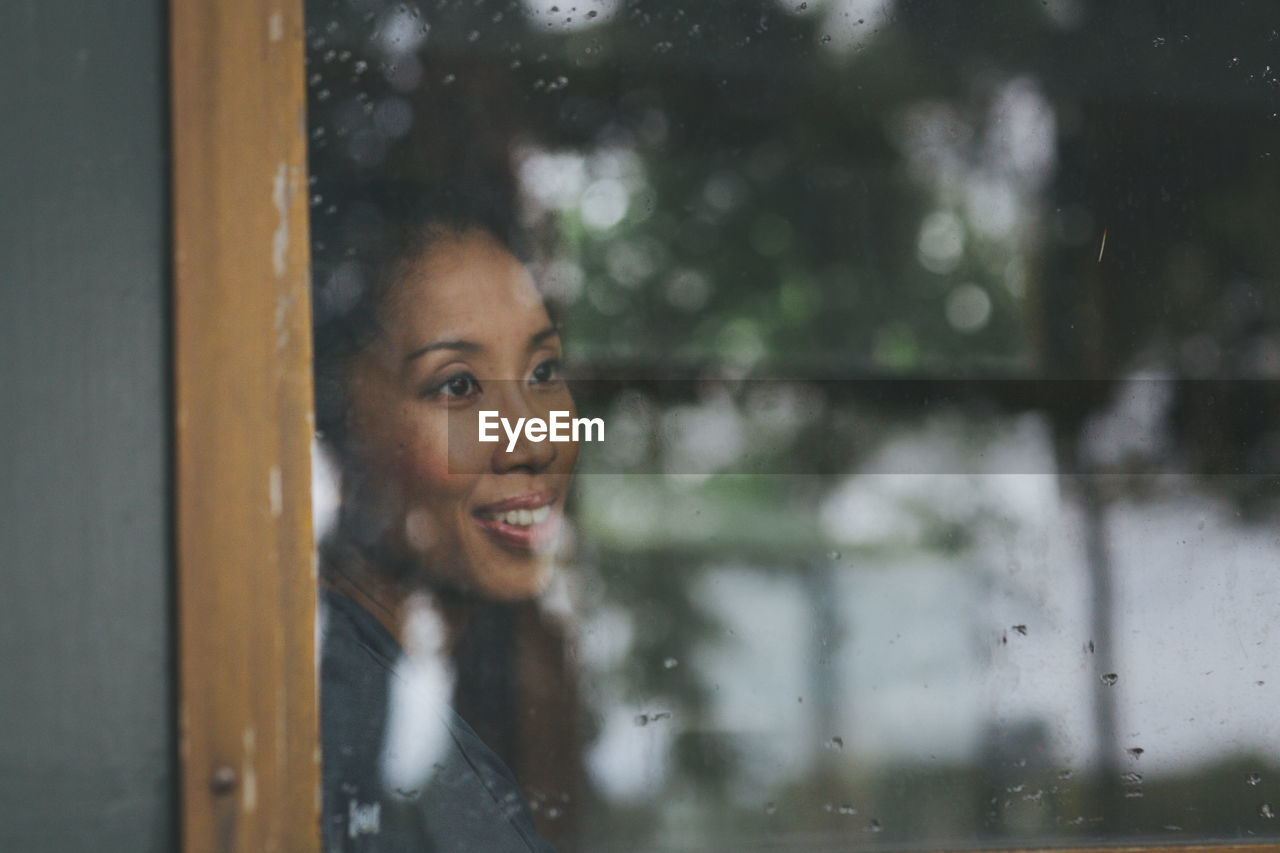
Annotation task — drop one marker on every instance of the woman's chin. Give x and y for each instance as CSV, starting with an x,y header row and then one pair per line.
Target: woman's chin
x,y
512,580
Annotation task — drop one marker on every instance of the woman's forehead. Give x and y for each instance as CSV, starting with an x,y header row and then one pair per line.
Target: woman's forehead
x,y
465,285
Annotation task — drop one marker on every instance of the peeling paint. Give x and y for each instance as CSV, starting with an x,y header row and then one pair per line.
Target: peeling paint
x,y
283,304
275,488
275,26
280,240
249,790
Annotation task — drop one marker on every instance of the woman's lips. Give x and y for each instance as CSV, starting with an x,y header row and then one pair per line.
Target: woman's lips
x,y
526,521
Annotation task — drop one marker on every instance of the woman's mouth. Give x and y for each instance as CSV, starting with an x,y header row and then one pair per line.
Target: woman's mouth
x,y
525,522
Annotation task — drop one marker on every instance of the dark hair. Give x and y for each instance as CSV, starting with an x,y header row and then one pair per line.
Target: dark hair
x,y
361,239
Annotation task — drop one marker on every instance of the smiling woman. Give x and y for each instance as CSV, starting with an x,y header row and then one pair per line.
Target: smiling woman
x,y
424,316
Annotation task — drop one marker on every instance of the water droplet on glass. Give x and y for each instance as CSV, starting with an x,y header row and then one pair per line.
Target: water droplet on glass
x,y
473,36
322,95
875,825
1253,778
770,808
553,813
1132,778
802,7
1158,41
670,663
642,720
1266,811
449,78
1109,679
1135,751
826,39
1021,629
847,809
834,555
836,743
592,14
1235,60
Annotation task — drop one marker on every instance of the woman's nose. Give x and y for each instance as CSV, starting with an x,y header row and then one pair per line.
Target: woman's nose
x,y
526,453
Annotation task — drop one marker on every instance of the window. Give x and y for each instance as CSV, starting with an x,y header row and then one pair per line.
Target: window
x,y
934,349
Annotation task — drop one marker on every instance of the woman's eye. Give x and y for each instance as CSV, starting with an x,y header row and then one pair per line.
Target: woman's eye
x,y
547,373
457,385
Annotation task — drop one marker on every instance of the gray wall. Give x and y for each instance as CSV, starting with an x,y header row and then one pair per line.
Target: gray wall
x,y
85,706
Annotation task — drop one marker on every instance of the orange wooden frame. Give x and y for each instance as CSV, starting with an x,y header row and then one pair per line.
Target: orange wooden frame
x,y
247,696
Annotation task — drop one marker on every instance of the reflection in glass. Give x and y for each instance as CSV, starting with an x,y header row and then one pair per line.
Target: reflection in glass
x,y
938,367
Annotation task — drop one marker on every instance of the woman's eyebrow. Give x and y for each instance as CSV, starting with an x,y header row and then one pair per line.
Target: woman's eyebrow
x,y
462,346
539,337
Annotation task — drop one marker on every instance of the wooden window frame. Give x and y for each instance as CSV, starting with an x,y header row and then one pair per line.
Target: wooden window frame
x,y
248,719
249,758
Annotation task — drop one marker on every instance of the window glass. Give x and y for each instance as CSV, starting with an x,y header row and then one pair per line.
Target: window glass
x,y
933,346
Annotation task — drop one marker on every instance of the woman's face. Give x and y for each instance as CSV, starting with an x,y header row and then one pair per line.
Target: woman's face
x,y
464,329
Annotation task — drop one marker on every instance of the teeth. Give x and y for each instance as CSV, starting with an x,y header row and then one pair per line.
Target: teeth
x,y
524,517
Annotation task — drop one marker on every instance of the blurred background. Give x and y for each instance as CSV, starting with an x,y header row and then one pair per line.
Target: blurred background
x,y
936,344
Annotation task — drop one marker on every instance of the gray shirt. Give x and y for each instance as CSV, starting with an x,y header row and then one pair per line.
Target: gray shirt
x,y
468,800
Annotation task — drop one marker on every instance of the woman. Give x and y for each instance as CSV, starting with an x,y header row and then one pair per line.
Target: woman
x,y
425,317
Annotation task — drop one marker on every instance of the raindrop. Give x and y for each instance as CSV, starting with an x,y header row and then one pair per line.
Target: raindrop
x,y
361,66
1158,41
642,720
834,555
770,808
473,36
1253,778
875,825
1109,679
670,663
1266,811
592,14
1135,751
847,809
553,813
449,78
330,55
802,7
826,39
1065,774
836,743
1235,60
1132,778
322,95
1021,629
